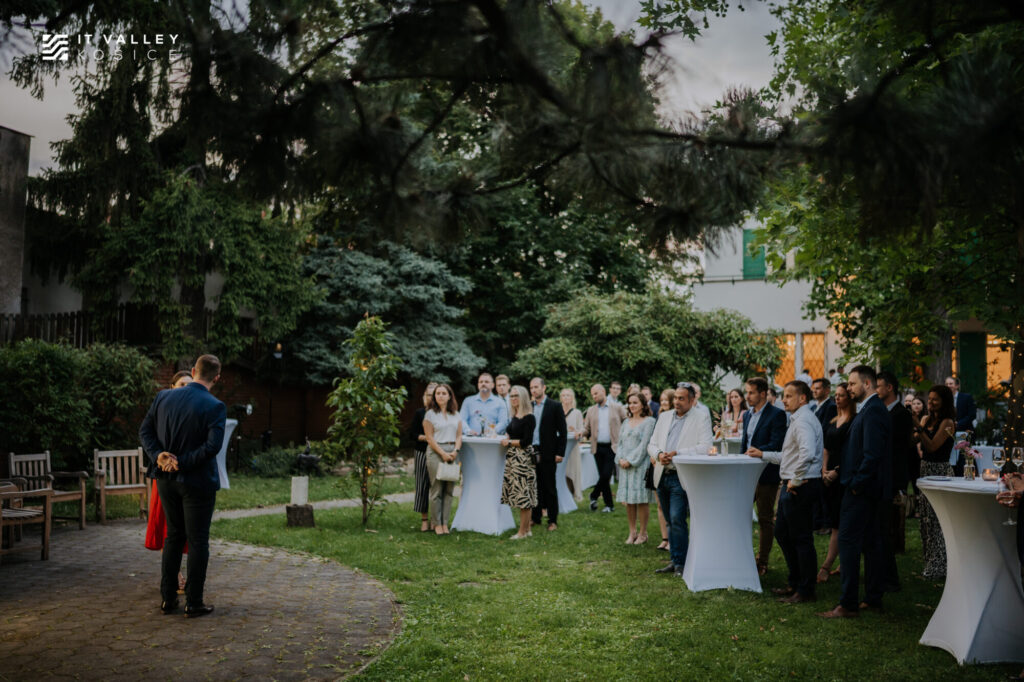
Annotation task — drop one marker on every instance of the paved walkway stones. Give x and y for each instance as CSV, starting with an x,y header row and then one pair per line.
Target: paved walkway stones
x,y
92,612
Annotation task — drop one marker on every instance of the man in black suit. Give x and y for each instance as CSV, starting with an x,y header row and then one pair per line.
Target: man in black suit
x,y
824,404
764,428
891,521
549,439
966,410
866,473
825,411
182,434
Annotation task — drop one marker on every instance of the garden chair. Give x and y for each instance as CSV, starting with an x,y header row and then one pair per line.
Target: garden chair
x,y
120,472
35,468
14,515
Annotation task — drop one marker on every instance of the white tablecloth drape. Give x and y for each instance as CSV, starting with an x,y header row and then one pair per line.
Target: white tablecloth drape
x,y
222,456
480,508
589,467
566,502
980,618
721,552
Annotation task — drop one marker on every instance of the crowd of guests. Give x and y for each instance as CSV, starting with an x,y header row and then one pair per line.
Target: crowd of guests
x,y
840,453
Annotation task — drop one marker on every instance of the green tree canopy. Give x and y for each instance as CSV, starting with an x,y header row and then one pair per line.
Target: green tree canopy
x,y
655,338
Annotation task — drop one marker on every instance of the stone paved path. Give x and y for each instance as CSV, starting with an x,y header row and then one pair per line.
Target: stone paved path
x,y
92,612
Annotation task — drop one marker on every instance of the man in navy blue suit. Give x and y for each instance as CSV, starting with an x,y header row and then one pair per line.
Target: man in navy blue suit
x,y
966,410
182,434
764,428
866,474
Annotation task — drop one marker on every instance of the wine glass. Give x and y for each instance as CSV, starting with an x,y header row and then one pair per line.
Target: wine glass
x,y
1018,457
1010,521
998,458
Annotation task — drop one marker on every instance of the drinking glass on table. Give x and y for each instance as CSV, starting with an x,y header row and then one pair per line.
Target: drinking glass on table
x,y
1018,457
1010,521
999,458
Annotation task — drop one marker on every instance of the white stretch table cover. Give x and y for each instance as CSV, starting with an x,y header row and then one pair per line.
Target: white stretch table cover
x,y
589,467
222,456
720,488
566,502
480,508
980,618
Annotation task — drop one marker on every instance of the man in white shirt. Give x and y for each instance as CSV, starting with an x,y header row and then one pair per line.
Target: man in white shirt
x,y
601,427
800,469
682,431
805,376
614,391
697,403
502,385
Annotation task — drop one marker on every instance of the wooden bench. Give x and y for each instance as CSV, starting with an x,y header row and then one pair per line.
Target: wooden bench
x,y
35,468
14,515
120,472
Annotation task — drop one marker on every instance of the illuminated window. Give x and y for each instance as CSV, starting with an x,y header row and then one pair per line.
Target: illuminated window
x,y
997,359
786,371
814,354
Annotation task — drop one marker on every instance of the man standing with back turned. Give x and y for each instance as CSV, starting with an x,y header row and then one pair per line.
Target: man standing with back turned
x,y
182,434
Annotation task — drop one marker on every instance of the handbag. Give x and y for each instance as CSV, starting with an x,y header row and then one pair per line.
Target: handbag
x,y
449,471
649,478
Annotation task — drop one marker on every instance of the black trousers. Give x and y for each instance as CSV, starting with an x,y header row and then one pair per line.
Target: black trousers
x,y
886,525
605,459
860,532
188,511
794,529
547,494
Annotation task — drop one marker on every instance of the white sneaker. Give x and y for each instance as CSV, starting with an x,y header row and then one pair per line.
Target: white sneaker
x,y
529,534
607,510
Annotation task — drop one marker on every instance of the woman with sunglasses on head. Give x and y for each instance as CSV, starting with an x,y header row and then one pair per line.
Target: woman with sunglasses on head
x,y
442,428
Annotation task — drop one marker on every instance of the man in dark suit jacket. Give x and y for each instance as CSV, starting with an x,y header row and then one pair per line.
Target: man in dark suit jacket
x,y
825,409
767,434
966,410
549,438
902,448
866,473
182,434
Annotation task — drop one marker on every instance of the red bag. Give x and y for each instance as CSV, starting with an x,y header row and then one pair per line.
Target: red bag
x,y
156,525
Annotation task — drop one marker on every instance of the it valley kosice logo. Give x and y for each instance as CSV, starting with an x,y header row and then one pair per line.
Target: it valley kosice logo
x,y
56,47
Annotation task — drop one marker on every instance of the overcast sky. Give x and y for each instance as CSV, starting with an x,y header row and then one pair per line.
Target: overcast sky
x,y
732,53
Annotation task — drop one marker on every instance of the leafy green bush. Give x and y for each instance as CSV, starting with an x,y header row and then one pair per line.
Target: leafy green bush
x,y
69,400
274,462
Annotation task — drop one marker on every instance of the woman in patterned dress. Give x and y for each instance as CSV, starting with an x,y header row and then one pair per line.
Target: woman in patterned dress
x,y
632,452
935,434
519,485
421,503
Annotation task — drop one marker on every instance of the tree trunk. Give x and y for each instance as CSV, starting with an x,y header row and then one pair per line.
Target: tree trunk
x,y
941,365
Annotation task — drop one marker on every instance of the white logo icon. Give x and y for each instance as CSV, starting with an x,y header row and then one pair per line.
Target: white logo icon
x,y
54,47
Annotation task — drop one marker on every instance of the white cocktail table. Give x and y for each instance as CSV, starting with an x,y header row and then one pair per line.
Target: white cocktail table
x,y
980,618
566,502
480,508
588,467
721,552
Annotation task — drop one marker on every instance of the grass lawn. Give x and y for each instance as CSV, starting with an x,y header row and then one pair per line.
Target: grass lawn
x,y
580,604
247,492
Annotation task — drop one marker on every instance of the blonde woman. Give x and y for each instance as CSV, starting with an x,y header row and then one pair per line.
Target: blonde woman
x,y
442,427
519,486
574,424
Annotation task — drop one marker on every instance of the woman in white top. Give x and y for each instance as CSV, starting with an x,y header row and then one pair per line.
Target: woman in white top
x,y
732,415
443,430
574,423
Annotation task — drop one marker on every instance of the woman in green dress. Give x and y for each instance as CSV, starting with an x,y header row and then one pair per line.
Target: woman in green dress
x,y
633,462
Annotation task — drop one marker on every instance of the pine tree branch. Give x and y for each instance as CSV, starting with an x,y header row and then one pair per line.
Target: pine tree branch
x,y
429,130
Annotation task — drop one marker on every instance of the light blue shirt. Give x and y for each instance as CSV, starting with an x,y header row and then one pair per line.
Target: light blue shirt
x,y
801,454
675,430
755,416
604,430
476,410
538,412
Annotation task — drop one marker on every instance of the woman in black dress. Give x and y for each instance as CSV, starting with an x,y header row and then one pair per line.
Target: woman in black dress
x,y
836,433
421,503
519,485
936,436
